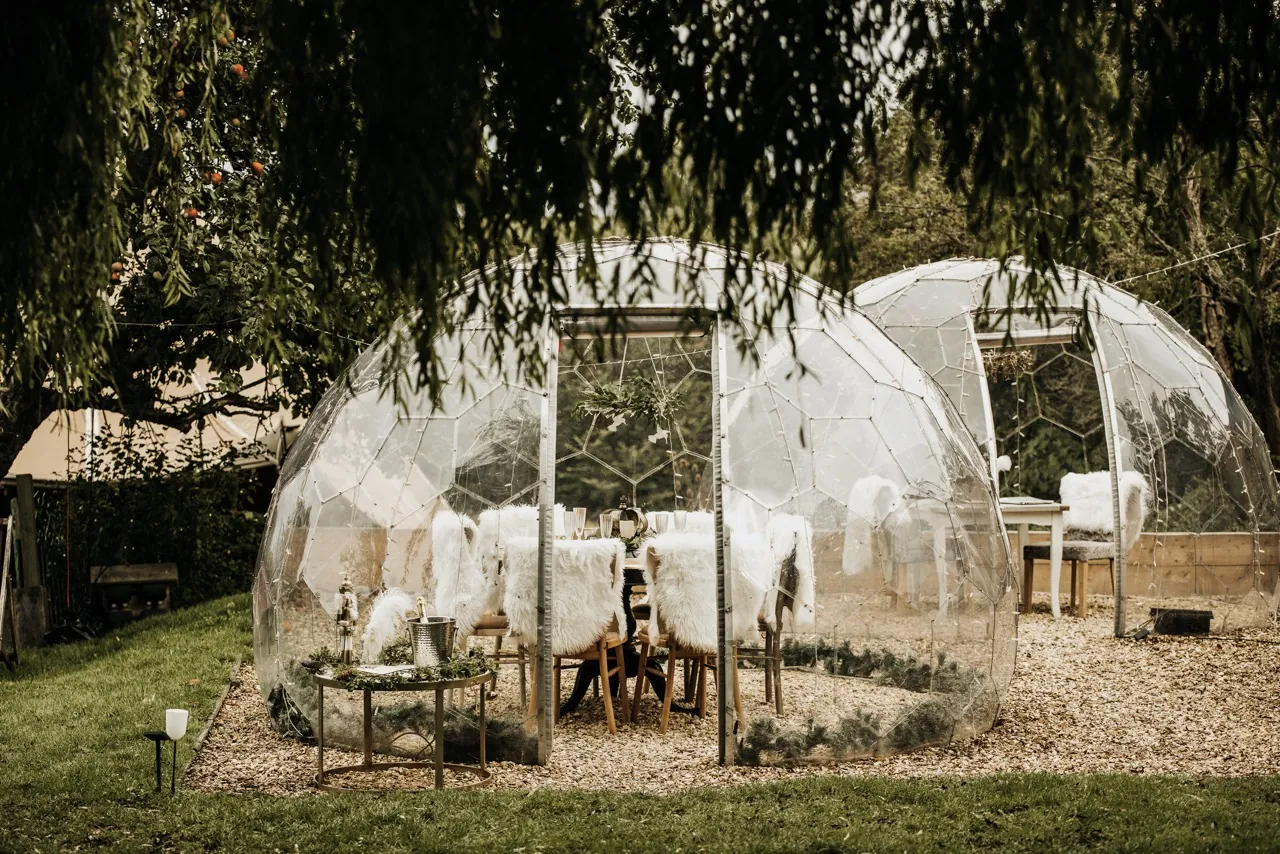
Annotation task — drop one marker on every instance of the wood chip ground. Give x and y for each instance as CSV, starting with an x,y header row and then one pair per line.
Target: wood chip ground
x,y
1081,701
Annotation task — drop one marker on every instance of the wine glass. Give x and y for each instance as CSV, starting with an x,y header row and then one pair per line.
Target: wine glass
x,y
579,522
606,526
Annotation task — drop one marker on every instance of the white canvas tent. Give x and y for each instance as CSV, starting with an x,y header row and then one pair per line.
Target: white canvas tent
x,y
68,438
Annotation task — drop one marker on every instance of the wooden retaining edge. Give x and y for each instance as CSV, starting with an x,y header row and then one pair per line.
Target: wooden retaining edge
x,y
208,725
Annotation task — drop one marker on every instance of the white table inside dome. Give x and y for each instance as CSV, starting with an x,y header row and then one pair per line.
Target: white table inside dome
x,y
1025,512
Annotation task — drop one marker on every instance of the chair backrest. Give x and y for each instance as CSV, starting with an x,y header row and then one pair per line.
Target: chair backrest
x,y
680,576
461,587
874,503
1089,515
586,591
688,562
791,545
497,527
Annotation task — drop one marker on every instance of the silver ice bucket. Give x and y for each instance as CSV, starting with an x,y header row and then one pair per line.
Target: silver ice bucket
x,y
432,640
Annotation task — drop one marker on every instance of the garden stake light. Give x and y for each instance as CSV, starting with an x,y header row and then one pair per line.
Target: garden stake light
x,y
175,727
157,737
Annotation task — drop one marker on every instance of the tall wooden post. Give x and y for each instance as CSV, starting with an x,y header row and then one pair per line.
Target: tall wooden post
x,y
30,565
32,601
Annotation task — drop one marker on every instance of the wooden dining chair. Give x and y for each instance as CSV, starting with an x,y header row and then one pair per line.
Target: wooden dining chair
x,y
588,621
686,633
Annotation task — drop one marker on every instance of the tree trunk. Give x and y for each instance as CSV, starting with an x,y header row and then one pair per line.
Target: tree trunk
x,y
1264,392
1209,281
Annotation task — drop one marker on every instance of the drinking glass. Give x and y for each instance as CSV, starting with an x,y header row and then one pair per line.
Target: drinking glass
x,y
579,522
661,522
681,519
606,526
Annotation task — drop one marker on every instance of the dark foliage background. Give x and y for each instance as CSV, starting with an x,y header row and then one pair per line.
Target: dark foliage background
x,y
137,504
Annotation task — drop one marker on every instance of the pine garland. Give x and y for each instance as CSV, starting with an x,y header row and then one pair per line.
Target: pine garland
x,y
351,677
641,397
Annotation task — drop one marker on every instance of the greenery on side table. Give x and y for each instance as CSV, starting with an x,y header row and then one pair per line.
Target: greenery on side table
x,y
459,666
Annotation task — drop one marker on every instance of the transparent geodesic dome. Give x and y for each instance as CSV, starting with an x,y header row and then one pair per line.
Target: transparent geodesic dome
x,y
843,477
1144,398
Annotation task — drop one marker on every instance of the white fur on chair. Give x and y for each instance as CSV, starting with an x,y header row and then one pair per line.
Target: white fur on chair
x,y
687,584
684,592
497,527
1090,515
874,503
792,534
461,588
587,591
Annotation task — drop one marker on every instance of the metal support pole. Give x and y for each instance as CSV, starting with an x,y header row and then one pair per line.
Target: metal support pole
x,y
439,737
173,773
546,554
724,575
1114,460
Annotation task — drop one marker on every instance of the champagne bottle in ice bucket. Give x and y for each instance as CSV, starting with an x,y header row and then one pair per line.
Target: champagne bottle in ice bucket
x,y
430,637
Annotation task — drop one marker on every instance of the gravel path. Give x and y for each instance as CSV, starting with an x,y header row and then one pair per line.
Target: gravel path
x,y
1080,702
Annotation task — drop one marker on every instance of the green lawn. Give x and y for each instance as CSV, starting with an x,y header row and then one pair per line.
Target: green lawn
x,y
76,773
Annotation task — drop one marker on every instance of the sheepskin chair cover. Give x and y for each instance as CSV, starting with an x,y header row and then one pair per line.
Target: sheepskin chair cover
x,y
788,535
497,527
461,588
1088,497
875,506
386,621
587,587
682,592
693,560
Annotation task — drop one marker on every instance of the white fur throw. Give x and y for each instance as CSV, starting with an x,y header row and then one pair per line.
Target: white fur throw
x,y
683,597
386,620
1088,497
874,505
682,591
792,534
587,591
460,584
497,527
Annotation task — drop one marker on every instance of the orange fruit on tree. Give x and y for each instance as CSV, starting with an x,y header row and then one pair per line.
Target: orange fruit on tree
x,y
117,267
235,122
231,35
215,177
192,213
239,71
180,93
257,167
182,114
115,277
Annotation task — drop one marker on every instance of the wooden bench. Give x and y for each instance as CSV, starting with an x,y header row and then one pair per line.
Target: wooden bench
x,y
133,590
